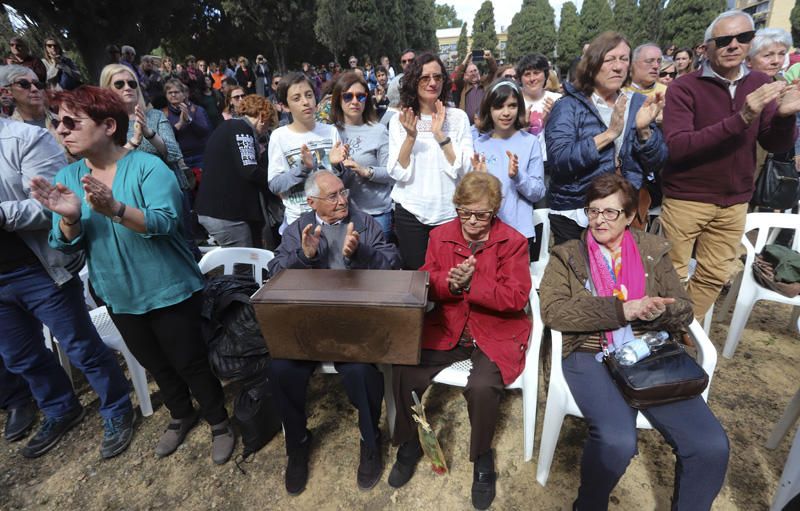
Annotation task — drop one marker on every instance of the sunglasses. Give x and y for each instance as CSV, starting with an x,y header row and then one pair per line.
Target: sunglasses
x,y
406,61
26,84
725,40
238,97
426,79
276,82
51,45
664,74
481,216
360,96
17,45
120,84
69,122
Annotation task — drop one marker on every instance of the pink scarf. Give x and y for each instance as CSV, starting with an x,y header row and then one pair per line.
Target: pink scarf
x,y
628,283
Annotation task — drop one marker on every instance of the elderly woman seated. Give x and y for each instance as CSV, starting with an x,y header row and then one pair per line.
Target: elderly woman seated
x,y
601,289
479,281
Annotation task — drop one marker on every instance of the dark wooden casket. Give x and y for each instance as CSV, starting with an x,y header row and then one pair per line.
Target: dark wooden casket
x,y
343,315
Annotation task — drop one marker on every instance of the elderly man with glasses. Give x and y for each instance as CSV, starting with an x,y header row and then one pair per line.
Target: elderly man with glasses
x,y
644,70
712,120
331,236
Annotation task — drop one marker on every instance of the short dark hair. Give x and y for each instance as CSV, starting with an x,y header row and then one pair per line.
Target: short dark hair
x,y
290,79
610,183
408,85
495,97
230,81
99,104
593,57
344,82
381,69
535,61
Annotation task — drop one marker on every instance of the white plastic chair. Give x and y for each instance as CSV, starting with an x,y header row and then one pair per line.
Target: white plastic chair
x,y
528,381
750,292
540,216
560,402
113,339
228,257
789,485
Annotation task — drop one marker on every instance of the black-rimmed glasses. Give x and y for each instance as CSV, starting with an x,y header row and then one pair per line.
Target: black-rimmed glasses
x,y
481,216
743,38
26,84
609,214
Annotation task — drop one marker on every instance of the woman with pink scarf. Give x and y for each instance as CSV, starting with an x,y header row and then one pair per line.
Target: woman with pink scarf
x,y
606,288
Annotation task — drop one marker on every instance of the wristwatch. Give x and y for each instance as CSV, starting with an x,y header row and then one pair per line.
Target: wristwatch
x,y
117,218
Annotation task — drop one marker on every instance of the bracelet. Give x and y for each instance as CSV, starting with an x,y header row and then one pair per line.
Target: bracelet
x,y
68,224
152,134
444,142
133,144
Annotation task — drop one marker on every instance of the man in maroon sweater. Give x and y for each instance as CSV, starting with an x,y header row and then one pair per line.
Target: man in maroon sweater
x,y
712,120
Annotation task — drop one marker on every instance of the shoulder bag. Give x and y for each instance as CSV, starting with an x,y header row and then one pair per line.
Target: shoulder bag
x,y
778,186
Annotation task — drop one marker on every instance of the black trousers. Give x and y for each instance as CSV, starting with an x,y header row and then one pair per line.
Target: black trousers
x,y
168,343
412,238
483,393
564,229
363,384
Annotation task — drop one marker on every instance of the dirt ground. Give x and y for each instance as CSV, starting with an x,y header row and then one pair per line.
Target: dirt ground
x,y
748,394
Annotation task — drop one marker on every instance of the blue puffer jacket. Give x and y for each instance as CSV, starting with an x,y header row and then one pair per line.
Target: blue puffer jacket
x,y
574,157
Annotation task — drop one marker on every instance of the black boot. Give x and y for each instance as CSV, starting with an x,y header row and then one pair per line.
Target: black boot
x,y
408,455
20,420
370,467
483,481
296,475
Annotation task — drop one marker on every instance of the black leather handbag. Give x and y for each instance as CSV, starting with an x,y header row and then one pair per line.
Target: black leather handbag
x,y
669,374
778,185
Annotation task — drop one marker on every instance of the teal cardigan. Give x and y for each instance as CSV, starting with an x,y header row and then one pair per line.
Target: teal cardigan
x,y
134,273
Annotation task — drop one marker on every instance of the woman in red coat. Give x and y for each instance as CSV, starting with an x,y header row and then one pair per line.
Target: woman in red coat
x,y
479,281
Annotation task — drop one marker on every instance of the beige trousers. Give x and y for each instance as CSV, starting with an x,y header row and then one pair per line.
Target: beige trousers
x,y
715,232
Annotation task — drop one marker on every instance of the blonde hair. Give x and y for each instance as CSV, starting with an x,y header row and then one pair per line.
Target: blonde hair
x,y
112,69
476,186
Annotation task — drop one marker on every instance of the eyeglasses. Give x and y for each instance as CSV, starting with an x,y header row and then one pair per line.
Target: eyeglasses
x,y
426,79
69,122
724,40
480,216
353,62
509,77
609,214
664,74
120,84
238,97
17,45
51,45
26,84
333,198
406,61
360,96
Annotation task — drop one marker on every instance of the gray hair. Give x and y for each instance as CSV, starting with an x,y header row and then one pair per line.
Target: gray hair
x,y
767,37
176,83
127,48
311,187
638,50
9,73
727,14
665,63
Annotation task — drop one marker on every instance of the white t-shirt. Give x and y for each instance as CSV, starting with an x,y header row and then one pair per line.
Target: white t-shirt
x,y
537,126
425,187
287,175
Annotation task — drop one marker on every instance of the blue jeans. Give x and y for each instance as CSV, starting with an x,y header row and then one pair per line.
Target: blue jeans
x,y
385,221
14,391
696,436
28,298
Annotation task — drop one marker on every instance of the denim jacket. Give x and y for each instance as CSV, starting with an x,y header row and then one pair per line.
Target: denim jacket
x,y
27,151
573,155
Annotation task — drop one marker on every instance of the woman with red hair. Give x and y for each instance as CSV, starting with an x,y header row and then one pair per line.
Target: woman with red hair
x,y
122,208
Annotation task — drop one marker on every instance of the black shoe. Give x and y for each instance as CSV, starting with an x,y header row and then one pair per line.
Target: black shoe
x,y
370,467
408,455
483,481
117,434
51,431
296,475
20,421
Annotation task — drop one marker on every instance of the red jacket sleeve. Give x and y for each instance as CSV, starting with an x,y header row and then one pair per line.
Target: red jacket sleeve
x,y
504,288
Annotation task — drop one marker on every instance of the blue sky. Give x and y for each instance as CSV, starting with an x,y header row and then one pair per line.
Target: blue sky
x,y
504,10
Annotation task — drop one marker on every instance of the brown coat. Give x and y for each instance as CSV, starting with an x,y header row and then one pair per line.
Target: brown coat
x,y
462,87
567,305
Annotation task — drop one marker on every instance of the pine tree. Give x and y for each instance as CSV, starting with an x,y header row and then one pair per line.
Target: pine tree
x,y
794,19
570,38
330,14
625,14
446,16
532,30
685,21
596,17
647,27
484,35
463,44
419,25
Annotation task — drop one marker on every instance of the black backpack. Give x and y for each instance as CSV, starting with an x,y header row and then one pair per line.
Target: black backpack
x,y
236,348
255,415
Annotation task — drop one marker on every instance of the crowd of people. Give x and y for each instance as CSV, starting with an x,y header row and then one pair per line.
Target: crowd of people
x,y
420,168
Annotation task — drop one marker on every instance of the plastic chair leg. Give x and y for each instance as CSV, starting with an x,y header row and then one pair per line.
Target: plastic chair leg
x,y
553,419
730,299
744,306
790,478
790,416
139,379
707,320
794,321
528,421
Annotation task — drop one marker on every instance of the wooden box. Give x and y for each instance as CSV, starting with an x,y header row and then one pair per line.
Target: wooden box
x,y
343,315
